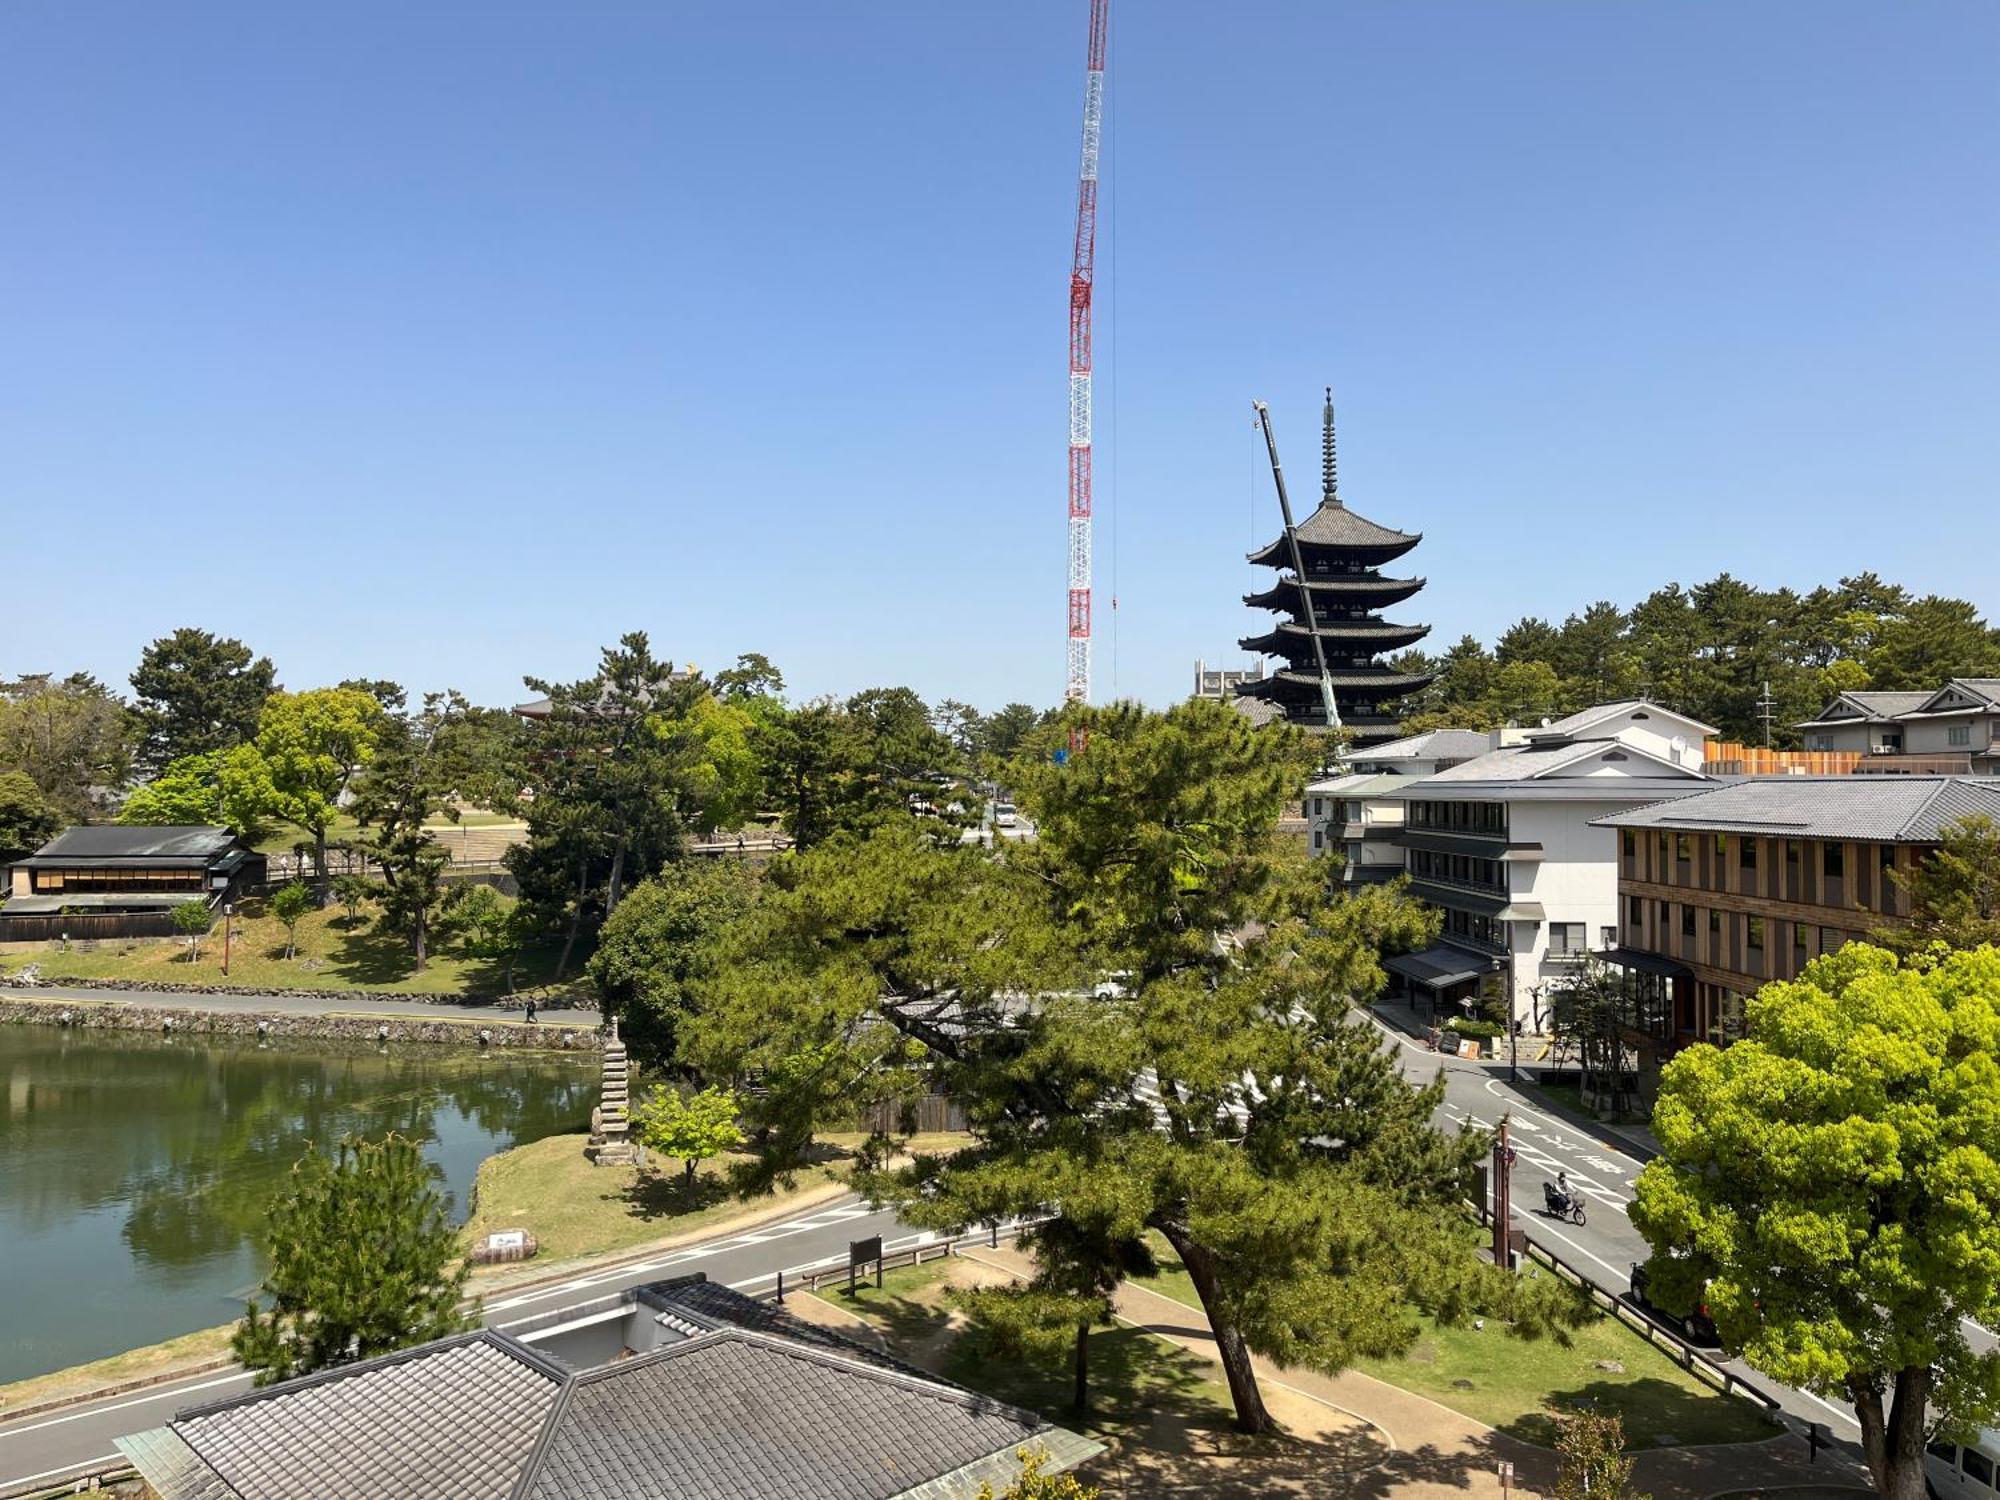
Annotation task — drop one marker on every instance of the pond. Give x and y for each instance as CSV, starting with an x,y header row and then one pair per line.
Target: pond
x,y
135,1170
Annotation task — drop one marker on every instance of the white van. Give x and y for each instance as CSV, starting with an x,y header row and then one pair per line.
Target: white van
x,y
1955,1473
1005,815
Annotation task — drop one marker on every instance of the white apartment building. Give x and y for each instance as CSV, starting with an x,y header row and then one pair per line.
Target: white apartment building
x,y
1360,815
1503,845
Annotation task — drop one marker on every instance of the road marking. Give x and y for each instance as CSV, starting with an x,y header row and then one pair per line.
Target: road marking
x,y
145,1400
1614,1270
103,1458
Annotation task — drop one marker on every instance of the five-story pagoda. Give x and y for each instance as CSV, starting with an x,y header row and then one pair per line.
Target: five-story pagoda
x,y
1342,554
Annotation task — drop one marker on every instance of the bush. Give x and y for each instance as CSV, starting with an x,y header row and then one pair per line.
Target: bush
x,y
1485,1031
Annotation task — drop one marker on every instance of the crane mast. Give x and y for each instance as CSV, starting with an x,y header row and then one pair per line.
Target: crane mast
x,y
1082,272
1328,702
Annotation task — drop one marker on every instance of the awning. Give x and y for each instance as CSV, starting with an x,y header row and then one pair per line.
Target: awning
x,y
1435,968
1521,911
1647,963
42,906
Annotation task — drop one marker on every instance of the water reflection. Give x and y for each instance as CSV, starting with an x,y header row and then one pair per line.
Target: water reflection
x,y
135,1169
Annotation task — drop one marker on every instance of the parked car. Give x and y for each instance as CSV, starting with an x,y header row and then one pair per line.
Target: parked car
x,y
1697,1327
1952,1472
1005,815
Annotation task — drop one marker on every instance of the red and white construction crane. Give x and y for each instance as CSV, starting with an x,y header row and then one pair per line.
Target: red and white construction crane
x,y
1082,270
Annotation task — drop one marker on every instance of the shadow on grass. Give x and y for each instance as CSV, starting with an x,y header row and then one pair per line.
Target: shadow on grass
x,y
1651,1409
661,1195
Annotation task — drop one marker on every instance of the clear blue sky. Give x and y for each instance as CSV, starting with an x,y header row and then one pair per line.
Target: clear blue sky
x,y
445,342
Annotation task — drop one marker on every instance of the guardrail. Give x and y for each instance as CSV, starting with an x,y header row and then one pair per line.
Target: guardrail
x,y
87,1480
1686,1355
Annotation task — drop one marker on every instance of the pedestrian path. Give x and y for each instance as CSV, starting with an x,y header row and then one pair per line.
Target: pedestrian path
x,y
333,1003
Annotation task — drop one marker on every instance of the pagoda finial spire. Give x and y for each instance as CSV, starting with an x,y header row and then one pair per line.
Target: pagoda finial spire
x,y
1329,491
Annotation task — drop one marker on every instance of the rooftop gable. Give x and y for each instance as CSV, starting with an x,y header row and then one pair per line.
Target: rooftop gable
x,y
180,841
1662,720
1962,695
1552,759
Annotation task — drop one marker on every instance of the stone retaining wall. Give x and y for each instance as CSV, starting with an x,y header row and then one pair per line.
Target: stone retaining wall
x,y
177,1021
24,980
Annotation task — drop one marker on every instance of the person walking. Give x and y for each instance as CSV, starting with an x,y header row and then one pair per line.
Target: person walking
x,y
531,1010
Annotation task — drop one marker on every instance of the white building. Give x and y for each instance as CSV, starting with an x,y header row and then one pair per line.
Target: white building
x,y
1360,815
1504,846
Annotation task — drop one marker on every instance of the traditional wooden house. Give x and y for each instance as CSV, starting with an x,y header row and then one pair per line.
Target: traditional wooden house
x,y
116,881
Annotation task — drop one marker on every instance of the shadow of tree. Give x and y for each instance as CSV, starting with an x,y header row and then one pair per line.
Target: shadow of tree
x,y
659,1195
1651,1410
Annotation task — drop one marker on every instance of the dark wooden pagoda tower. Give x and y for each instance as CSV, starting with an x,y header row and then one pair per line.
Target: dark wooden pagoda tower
x,y
1343,554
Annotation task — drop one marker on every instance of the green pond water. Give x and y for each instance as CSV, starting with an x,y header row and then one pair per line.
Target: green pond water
x,y
135,1170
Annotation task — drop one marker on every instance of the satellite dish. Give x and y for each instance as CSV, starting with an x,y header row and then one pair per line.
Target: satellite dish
x,y
1680,744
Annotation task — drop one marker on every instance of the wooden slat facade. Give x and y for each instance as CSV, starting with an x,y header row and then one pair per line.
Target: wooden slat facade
x,y
1741,910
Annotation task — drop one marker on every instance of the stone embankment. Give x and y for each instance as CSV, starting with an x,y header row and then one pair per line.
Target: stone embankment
x,y
271,1026
30,978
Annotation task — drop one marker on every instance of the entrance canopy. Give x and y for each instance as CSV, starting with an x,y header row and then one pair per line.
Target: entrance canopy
x,y
1436,968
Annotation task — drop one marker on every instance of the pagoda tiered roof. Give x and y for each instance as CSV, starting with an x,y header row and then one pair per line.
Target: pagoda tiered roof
x,y
1291,639
1365,589
1333,527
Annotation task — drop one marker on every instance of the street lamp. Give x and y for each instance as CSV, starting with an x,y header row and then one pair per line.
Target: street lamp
x,y
1497,966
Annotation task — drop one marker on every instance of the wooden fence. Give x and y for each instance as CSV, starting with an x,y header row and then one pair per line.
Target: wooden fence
x,y
928,1115
84,927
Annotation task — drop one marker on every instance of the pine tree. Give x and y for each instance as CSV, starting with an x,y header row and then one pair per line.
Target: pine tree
x,y
361,1256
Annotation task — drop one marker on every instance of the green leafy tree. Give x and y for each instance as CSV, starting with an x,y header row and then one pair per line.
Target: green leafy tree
x,y
1034,1483
753,677
1930,641
413,779
1954,892
27,818
289,904
353,892
230,787
192,919
1830,1188
690,1128
664,941
70,736
363,1261
1591,1460
196,694
1187,1064
495,927
314,743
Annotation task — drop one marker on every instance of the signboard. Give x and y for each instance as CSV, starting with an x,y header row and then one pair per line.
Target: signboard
x,y
861,1252
508,1239
1469,1047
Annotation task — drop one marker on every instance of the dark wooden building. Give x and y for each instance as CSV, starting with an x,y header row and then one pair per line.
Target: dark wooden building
x,y
1343,593
116,881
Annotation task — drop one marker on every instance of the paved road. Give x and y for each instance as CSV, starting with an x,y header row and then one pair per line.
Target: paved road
x,y
1600,1167
51,1446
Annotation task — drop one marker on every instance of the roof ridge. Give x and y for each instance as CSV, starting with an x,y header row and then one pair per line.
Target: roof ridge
x,y
502,1343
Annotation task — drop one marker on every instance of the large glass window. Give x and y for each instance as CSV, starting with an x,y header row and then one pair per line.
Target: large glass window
x,y
1687,921
1746,853
1568,937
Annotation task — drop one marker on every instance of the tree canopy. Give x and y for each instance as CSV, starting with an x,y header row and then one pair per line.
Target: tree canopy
x,y
70,736
1954,892
664,940
28,819
313,744
195,694
363,1261
1709,651
1144,1013
1830,1188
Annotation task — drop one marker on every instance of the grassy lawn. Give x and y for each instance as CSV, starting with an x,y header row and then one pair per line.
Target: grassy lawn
x,y
1511,1383
1137,1381
576,1209
116,1369
332,954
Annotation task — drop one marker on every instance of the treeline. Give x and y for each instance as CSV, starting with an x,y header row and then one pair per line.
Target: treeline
x,y
1711,651
630,763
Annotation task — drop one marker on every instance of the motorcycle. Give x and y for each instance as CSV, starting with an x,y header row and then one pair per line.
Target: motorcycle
x,y
1560,1205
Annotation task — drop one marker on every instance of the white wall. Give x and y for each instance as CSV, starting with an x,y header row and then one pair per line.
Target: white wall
x,y
1576,880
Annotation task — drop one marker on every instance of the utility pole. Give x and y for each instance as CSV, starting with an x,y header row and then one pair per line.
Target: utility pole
x,y
1767,710
1503,1197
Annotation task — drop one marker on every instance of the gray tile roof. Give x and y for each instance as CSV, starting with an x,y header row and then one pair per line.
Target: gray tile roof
x,y
179,841
1585,718
1528,762
452,1420
1435,744
1872,706
736,1414
1334,525
1884,809
753,1405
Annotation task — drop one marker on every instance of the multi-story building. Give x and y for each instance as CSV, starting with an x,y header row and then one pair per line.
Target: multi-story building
x,y
1952,731
1221,683
1340,600
1360,816
1743,883
1507,846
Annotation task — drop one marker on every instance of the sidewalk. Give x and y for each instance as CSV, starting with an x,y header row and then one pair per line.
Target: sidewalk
x,y
1373,1439
333,1003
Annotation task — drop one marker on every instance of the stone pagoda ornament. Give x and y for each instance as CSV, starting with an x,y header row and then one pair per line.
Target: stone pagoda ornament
x,y
611,1142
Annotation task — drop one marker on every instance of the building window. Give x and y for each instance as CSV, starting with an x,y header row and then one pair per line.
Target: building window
x,y
1958,734
1746,853
1833,860
1754,936
1567,937
1663,843
1721,848
1316,838
1683,851
1635,910
1715,924
1820,742
1801,936
1607,937
1631,844
1687,920
1830,940
1791,856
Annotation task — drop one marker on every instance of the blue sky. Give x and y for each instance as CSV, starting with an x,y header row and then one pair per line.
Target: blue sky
x,y
446,342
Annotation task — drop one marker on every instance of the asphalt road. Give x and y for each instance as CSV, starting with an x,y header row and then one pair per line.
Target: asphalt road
x,y
60,1442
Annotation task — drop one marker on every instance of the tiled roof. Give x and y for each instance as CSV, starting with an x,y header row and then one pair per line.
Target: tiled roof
x,y
1884,809
738,1414
1435,744
452,1420
1527,762
702,1306
1597,713
117,841
1334,525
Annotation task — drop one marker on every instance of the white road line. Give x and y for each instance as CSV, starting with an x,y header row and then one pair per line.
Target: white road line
x,y
102,1458
1614,1270
145,1400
